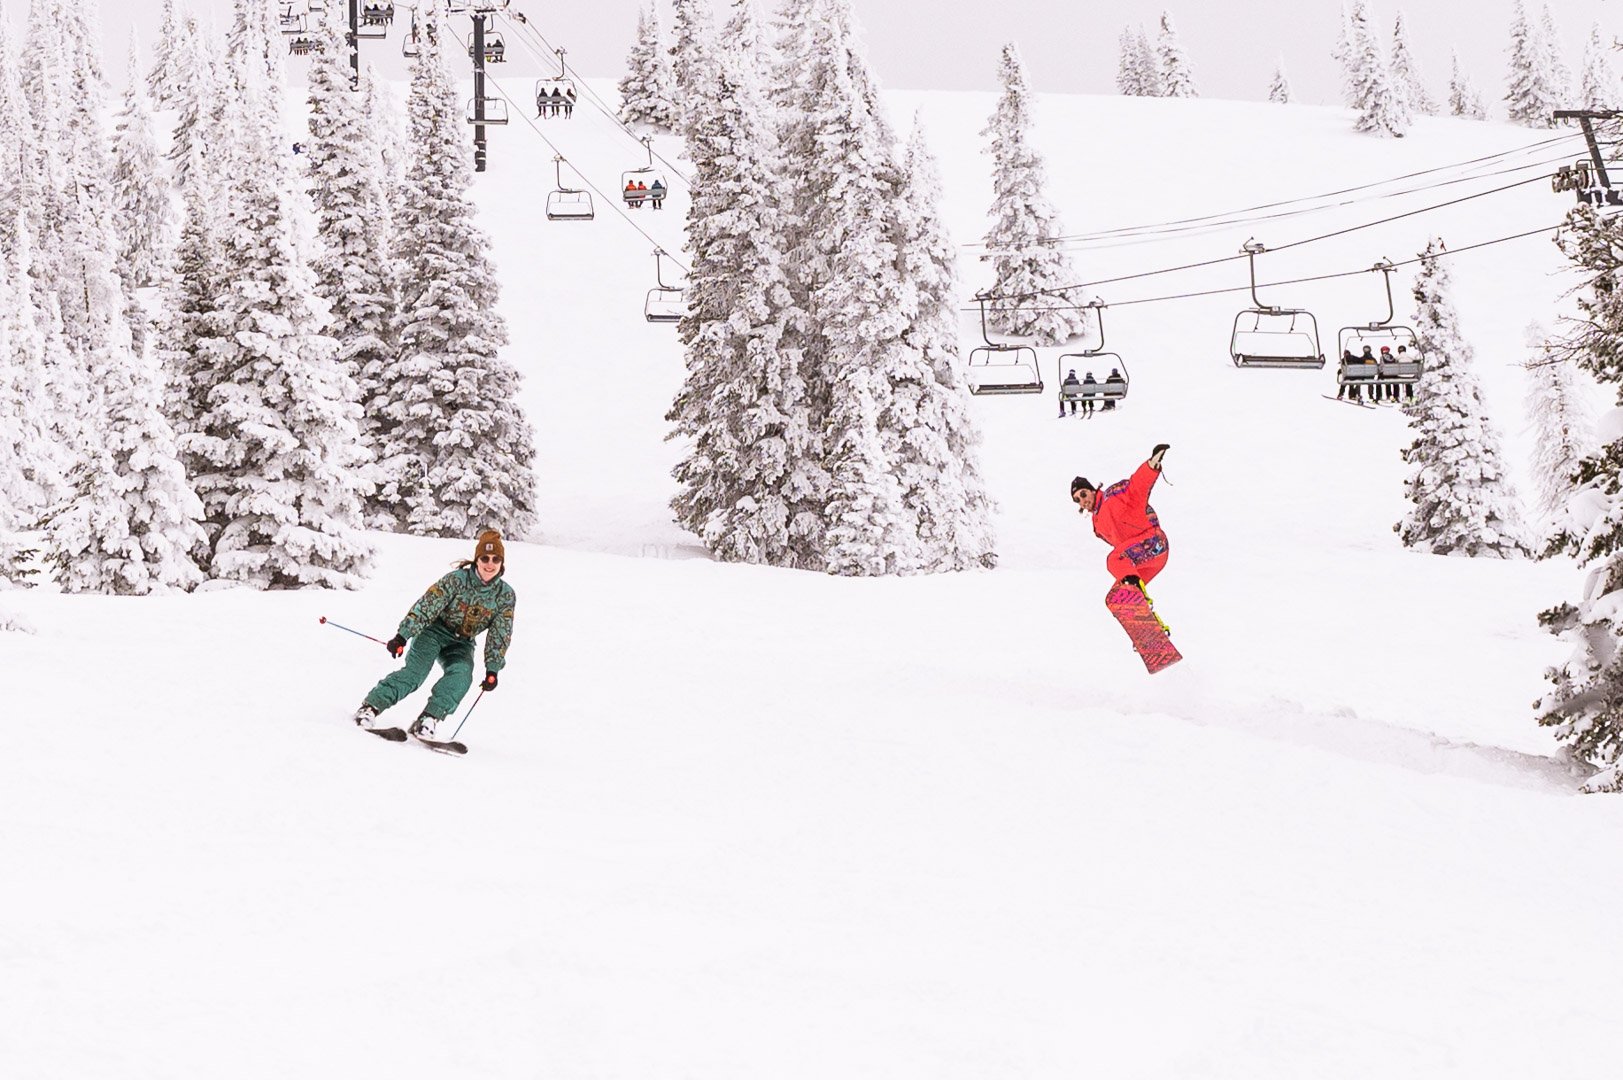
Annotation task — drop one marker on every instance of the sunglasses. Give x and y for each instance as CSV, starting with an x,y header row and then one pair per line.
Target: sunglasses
x,y
490,558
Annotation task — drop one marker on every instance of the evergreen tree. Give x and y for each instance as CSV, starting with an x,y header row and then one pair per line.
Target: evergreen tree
x,y
692,59
1279,89
1129,74
750,481
173,55
275,448
1406,72
1031,269
1598,88
455,445
1463,501
1564,427
143,214
197,95
646,91
936,449
1177,77
1346,52
1384,110
747,38
1560,74
1531,93
1464,99
26,464
355,267
1585,706
1150,79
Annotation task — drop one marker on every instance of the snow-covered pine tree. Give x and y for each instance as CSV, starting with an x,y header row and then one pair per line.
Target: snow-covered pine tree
x,y
1530,96
1385,110
1030,269
455,448
1585,706
1406,71
937,446
1463,501
1279,88
1598,87
1564,434
1464,99
1345,52
25,405
196,97
276,447
355,263
1150,79
750,482
1177,77
17,172
171,56
143,215
691,64
1129,83
1560,73
746,35
646,90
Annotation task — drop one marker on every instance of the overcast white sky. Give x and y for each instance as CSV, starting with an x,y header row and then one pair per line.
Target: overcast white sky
x,y
1068,46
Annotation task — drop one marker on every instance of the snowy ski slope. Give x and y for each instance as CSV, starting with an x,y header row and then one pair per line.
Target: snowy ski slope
x,y
737,823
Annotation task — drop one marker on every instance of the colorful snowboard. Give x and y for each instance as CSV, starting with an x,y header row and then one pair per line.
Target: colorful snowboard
x,y
1130,607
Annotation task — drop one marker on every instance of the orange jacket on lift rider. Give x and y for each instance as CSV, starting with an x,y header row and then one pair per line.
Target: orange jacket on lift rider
x,y
1124,519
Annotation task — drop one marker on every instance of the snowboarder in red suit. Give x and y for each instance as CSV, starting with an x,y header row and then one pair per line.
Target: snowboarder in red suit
x,y
1124,519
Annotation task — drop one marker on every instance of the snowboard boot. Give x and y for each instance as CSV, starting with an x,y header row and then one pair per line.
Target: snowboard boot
x,y
367,717
1132,579
423,727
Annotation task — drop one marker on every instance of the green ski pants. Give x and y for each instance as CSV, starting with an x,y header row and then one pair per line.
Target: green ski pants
x,y
455,655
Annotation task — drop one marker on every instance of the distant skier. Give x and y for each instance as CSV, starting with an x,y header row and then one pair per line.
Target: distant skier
x,y
1124,519
457,608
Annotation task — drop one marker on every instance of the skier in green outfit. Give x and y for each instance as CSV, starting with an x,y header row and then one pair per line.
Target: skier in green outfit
x,y
441,626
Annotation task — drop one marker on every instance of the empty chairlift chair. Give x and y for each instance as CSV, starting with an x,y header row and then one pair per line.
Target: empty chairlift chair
x,y
1110,376
1379,355
1001,368
489,110
565,203
1267,336
665,303
292,21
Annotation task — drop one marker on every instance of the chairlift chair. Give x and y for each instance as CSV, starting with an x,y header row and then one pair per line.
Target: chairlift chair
x,y
375,20
565,203
1002,368
644,183
495,111
1268,336
495,49
556,96
412,44
1108,387
301,46
316,7
292,21
665,303
1400,341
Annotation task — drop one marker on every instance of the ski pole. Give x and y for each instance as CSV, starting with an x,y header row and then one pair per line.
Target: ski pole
x,y
469,713
357,633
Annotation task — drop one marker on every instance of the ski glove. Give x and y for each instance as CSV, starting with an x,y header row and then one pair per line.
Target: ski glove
x,y
1155,455
396,645
490,681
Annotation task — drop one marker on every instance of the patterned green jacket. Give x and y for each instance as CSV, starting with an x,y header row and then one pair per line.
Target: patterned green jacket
x,y
462,604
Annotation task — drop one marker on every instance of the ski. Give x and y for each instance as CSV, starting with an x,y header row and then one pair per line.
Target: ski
x,y
448,747
1348,401
393,734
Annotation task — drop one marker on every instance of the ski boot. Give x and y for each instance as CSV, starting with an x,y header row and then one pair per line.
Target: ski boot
x,y
423,727
367,717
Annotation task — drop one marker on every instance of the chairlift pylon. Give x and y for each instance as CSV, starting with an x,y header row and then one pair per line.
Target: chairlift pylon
x,y
565,203
1379,353
555,96
1269,336
665,303
996,368
1111,387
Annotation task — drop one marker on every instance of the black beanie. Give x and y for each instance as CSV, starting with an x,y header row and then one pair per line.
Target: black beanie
x,y
1081,484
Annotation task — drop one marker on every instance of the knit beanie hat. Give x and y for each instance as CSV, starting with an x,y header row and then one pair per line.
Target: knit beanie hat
x,y
490,543
1081,484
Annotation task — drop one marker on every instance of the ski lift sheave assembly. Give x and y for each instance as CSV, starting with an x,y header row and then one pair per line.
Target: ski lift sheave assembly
x,y
565,203
1381,353
1113,387
1587,177
1268,336
556,96
665,303
995,368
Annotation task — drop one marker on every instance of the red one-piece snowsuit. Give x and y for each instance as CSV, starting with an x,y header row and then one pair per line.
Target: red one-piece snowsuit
x,y
1125,520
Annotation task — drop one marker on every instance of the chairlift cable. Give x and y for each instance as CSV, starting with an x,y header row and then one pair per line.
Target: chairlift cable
x,y
491,80
523,26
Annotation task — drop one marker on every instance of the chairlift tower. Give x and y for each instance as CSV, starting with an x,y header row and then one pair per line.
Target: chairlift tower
x,y
1594,188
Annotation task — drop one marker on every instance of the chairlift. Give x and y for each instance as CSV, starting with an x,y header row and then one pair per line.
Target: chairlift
x,y
495,49
316,7
1111,388
412,44
665,303
301,46
644,184
1002,368
1269,336
292,21
556,96
1393,351
374,21
565,203
494,112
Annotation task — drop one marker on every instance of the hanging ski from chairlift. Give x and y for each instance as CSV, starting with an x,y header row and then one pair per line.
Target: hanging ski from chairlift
x,y
1002,368
555,97
566,203
644,186
1109,387
665,303
1268,336
1379,354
